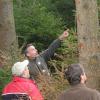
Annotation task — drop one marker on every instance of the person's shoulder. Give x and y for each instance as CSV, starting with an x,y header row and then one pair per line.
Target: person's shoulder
x,y
93,91
29,83
96,92
62,95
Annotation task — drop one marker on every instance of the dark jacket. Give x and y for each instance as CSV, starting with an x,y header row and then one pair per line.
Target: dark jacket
x,y
80,92
39,64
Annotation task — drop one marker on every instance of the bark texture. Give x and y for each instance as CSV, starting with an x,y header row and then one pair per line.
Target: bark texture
x,y
89,40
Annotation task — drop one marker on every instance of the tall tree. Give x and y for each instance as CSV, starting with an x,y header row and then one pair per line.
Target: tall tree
x,y
89,39
7,27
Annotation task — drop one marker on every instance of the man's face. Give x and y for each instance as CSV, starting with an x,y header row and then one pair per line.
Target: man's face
x,y
32,52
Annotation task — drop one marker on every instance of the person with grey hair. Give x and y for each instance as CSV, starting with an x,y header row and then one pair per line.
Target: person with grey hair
x,y
38,62
21,84
76,77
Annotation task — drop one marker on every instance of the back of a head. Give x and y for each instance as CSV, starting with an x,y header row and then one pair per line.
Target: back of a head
x,y
73,74
19,67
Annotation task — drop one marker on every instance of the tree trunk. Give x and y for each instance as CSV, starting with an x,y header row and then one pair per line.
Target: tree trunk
x,y
89,40
7,29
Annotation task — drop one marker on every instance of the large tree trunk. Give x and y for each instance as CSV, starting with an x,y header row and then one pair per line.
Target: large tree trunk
x,y
7,28
89,40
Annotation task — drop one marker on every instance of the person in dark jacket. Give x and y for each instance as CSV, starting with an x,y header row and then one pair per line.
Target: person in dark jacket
x,y
78,91
38,62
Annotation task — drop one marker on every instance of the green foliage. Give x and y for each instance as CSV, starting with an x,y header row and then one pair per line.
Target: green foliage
x,y
67,54
5,77
66,9
33,18
63,8
42,19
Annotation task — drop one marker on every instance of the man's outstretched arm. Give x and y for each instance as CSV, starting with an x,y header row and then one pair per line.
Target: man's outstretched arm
x,y
47,54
